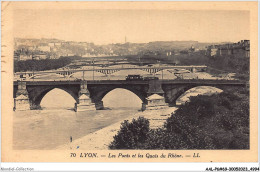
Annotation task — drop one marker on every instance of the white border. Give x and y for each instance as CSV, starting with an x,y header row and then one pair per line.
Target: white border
x,y
126,166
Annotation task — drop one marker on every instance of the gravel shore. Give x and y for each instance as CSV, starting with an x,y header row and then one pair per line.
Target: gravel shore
x,y
99,140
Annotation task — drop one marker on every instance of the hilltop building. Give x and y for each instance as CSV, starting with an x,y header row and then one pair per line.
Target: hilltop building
x,y
239,49
40,56
23,57
44,48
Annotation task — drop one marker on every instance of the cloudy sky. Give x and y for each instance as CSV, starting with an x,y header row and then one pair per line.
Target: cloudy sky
x,y
111,26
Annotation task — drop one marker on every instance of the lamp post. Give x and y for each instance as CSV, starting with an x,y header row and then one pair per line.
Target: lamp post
x,y
161,69
83,75
33,66
93,68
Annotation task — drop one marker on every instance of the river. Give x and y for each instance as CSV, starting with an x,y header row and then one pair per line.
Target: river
x,y
47,129
57,122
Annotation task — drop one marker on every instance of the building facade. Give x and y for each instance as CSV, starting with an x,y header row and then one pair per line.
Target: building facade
x,y
23,57
239,49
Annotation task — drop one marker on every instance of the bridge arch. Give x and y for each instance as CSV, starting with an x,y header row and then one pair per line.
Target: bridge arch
x,y
100,92
121,97
57,99
45,75
88,75
183,93
40,93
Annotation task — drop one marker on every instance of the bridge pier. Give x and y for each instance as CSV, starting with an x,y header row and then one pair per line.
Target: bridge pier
x,y
21,100
84,100
193,69
155,87
99,105
155,99
144,104
31,93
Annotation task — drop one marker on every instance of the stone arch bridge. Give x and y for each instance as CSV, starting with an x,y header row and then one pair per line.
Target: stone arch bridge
x,y
34,91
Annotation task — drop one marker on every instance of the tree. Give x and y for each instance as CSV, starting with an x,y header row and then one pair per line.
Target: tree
x,y
131,135
41,65
206,122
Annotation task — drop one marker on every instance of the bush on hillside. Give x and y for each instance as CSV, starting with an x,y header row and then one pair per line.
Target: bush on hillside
x,y
131,135
41,65
206,122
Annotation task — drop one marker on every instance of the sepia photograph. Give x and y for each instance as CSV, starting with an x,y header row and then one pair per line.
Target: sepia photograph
x,y
130,79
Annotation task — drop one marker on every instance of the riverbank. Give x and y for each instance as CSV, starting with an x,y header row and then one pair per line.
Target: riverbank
x,y
100,140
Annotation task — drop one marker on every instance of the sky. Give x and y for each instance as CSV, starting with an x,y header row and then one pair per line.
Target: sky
x,y
138,26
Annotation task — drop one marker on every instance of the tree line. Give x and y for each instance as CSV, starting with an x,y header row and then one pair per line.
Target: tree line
x,y
206,122
41,65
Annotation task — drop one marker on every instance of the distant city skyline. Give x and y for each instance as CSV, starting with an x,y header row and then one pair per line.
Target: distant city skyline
x,y
131,42
138,26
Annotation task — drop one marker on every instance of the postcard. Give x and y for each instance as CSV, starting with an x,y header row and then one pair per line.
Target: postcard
x,y
129,81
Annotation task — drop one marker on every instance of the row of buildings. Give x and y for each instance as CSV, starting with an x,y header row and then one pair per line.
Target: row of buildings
x,y
25,56
53,49
239,49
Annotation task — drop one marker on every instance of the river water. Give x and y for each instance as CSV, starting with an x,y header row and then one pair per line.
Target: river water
x,y
57,123
47,129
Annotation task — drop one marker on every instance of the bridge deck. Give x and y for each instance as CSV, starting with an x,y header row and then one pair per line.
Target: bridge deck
x,y
109,68
183,81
